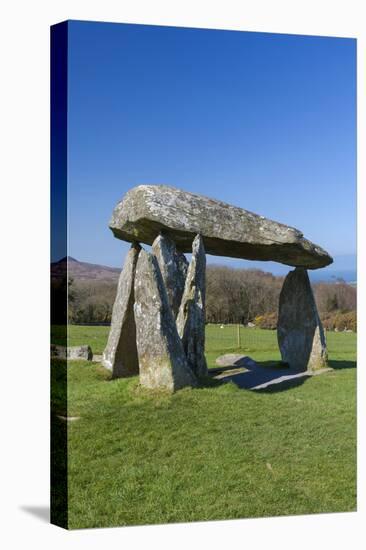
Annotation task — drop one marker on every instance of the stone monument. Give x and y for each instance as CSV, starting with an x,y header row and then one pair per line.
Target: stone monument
x,y
158,321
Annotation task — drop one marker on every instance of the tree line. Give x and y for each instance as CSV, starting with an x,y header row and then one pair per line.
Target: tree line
x,y
251,296
232,296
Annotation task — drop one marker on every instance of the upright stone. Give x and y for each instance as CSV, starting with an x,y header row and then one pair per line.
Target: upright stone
x,y
191,316
160,351
120,355
300,333
173,266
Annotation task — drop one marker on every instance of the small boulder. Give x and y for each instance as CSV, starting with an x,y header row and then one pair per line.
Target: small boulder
x,y
72,352
235,360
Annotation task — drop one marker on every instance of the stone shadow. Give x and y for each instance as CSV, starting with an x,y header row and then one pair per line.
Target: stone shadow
x,y
336,365
270,376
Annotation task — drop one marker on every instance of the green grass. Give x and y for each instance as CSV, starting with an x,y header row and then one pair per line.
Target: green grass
x,y
259,344
96,337
210,453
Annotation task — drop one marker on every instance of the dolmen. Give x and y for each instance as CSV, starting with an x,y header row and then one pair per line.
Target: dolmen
x,y
158,319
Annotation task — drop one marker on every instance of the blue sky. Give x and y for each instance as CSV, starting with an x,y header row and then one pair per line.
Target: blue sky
x,y
263,121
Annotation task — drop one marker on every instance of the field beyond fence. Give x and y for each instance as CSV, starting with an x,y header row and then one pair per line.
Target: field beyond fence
x,y
259,343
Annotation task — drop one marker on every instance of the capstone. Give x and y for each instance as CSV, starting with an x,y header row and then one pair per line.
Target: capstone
x,y
227,230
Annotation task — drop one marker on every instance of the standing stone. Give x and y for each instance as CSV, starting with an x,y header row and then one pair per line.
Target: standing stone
x,y
173,266
191,316
120,355
161,356
300,332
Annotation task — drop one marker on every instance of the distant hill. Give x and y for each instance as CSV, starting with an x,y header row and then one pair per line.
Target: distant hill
x,y
83,271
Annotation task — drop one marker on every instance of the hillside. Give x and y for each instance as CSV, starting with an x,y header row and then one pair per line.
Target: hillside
x,y
83,271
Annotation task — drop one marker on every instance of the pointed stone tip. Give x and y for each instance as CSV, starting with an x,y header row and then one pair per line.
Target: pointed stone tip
x,y
158,240
197,243
144,254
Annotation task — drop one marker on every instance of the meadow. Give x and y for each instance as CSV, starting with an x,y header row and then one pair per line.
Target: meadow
x,y
215,452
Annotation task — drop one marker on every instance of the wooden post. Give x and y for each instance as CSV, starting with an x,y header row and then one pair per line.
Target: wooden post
x,y
239,343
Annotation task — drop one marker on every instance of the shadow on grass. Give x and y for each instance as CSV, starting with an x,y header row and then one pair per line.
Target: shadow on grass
x,y
210,382
271,376
261,376
336,365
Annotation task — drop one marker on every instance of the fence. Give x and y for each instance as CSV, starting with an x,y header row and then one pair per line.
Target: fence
x,y
236,336
219,338
231,337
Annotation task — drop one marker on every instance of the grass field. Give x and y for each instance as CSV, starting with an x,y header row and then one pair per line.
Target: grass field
x,y
210,453
260,344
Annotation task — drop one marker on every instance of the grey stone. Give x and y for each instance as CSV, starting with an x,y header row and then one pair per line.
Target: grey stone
x,y
227,372
235,360
227,230
173,266
191,316
300,333
72,352
162,361
120,354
